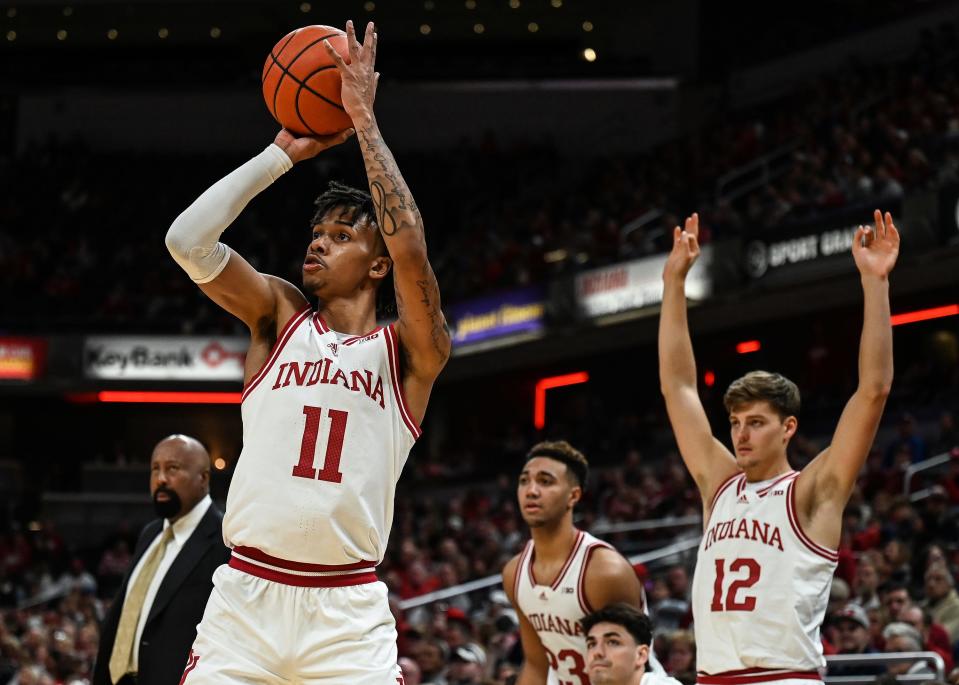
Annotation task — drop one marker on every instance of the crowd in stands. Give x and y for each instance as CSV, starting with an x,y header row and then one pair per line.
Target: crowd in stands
x,y
89,226
893,589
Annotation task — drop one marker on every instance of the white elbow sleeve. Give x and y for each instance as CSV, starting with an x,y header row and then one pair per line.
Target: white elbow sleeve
x,y
193,238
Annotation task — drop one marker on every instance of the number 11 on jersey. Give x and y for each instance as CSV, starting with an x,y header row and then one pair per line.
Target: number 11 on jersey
x,y
334,445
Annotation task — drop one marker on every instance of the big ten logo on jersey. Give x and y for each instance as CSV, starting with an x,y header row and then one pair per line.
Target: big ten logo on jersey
x,y
568,663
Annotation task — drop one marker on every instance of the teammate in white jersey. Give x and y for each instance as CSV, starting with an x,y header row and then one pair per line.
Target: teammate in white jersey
x,y
618,639
331,407
768,551
563,573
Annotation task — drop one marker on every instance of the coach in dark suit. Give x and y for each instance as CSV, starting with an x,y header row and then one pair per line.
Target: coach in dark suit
x,y
147,634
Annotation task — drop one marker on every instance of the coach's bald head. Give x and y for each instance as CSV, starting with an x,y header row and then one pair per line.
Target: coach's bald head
x,y
179,475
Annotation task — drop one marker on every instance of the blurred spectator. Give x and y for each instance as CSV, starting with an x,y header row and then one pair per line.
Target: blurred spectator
x,y
866,584
906,442
902,637
941,599
680,657
467,665
853,637
948,437
935,638
432,655
411,671
894,596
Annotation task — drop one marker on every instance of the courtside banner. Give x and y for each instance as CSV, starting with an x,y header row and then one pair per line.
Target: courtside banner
x,y
22,359
180,358
637,284
512,313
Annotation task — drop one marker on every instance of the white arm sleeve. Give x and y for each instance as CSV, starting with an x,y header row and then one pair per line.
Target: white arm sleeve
x,y
193,237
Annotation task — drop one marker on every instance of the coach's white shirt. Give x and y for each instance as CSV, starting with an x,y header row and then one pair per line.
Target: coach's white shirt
x,y
182,530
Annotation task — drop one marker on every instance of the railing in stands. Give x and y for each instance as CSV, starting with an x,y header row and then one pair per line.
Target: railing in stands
x,y
755,174
883,659
925,465
677,547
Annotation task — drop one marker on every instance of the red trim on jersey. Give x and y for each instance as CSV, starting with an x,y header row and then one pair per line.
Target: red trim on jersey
x,y
302,581
566,564
323,327
519,569
281,341
754,675
828,554
722,486
741,486
355,338
256,555
392,347
762,491
191,661
581,583
320,324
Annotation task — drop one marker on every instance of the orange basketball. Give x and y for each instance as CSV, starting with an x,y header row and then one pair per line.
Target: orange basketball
x,y
301,85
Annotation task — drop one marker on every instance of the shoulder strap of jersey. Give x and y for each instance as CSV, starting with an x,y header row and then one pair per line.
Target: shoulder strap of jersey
x,y
522,568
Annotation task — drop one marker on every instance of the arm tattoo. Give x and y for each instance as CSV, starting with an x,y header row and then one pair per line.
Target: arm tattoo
x,y
392,200
397,213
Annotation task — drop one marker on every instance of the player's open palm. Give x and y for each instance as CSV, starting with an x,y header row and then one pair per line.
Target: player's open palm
x,y
685,249
358,77
875,249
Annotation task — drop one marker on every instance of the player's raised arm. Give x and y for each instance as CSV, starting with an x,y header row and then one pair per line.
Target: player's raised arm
x,y
708,461
194,237
825,485
535,670
424,335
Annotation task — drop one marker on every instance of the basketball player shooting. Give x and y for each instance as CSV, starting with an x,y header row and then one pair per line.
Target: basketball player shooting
x,y
563,573
331,407
768,552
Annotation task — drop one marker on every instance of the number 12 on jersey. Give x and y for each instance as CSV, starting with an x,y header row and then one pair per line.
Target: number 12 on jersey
x,y
334,445
733,602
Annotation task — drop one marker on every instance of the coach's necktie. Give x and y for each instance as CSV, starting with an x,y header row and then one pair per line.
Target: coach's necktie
x,y
120,658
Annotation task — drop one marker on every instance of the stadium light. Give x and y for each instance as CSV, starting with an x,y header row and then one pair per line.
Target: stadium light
x,y
748,346
544,384
925,314
145,397
709,378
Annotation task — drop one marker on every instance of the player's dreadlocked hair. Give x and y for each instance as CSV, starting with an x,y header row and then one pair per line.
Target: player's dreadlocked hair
x,y
339,196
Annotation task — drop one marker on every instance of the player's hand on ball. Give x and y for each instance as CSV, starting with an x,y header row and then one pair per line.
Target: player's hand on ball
x,y
685,249
875,248
358,78
305,147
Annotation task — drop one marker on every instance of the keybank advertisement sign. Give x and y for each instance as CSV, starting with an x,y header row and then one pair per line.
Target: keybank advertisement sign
x,y
187,358
513,313
636,284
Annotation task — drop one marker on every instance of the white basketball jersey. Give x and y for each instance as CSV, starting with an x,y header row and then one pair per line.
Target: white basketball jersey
x,y
761,586
556,608
326,433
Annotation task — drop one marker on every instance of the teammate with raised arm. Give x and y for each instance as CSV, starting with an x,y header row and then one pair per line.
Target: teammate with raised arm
x,y
563,573
331,407
770,534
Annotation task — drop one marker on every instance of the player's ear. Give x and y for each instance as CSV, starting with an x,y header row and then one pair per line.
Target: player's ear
x,y
380,267
790,424
575,495
642,655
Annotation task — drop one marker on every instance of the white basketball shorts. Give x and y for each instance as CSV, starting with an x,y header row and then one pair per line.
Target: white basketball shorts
x,y
284,629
